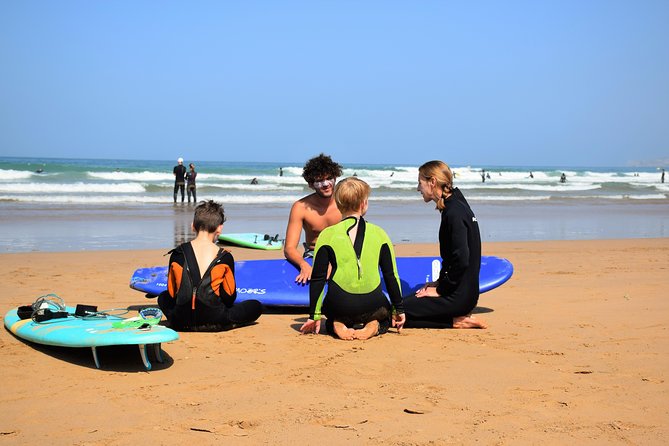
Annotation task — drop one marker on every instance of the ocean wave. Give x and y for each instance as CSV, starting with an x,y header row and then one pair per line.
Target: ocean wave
x,y
573,187
79,188
139,199
251,187
132,176
508,198
647,197
86,199
13,175
262,199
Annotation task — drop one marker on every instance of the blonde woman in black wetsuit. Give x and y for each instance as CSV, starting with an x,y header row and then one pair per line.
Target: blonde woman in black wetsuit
x,y
448,302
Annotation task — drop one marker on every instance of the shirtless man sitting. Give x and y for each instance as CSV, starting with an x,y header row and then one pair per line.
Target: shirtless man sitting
x,y
312,213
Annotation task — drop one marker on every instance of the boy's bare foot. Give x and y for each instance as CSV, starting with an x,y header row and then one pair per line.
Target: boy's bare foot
x,y
468,322
343,332
369,330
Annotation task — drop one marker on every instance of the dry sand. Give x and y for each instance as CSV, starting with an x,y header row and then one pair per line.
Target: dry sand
x,y
576,353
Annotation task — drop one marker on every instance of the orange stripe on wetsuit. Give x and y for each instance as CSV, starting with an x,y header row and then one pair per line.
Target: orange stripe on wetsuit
x,y
174,280
221,275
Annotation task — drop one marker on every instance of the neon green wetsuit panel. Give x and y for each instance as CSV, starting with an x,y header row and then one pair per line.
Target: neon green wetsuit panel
x,y
353,275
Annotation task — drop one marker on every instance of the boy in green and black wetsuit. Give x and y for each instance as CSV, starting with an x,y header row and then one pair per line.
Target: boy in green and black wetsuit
x,y
354,250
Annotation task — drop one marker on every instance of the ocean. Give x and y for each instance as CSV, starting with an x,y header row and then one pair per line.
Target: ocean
x,y
72,204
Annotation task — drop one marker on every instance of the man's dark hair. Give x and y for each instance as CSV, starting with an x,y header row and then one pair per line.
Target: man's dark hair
x,y
209,215
319,167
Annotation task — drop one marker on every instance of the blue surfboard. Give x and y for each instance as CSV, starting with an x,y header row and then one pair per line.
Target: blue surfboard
x,y
98,331
272,282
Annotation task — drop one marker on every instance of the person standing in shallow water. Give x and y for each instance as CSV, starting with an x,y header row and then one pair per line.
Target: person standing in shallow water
x,y
179,178
190,183
448,302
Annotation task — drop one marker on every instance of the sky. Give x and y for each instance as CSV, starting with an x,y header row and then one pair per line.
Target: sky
x,y
524,83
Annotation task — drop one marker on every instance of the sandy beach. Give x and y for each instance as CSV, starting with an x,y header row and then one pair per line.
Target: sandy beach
x,y
576,352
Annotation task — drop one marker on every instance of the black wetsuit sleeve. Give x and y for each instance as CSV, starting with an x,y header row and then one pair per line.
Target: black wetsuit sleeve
x,y
228,299
319,274
392,283
453,236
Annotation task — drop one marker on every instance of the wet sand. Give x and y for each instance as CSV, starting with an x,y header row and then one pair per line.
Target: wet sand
x,y
31,227
576,353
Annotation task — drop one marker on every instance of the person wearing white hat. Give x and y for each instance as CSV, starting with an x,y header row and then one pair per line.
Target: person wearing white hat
x,y
179,179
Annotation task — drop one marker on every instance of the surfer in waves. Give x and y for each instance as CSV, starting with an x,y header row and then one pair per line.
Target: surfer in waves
x,y
448,302
348,257
312,213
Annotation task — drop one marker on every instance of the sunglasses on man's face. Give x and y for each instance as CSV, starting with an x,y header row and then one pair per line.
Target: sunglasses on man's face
x,y
324,183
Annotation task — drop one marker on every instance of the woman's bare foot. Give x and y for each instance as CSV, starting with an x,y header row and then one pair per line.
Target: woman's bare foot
x,y
468,321
343,332
369,330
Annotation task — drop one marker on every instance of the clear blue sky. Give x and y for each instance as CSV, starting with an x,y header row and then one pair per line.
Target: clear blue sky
x,y
568,83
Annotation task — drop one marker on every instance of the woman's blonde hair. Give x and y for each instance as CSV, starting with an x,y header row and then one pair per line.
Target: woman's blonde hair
x,y
440,171
350,193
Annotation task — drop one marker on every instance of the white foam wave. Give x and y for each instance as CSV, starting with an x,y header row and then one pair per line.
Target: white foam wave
x,y
85,199
567,187
80,188
647,197
252,187
132,176
13,175
264,199
508,198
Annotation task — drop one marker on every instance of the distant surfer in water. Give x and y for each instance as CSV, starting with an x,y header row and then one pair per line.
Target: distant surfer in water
x,y
353,251
179,178
312,213
448,302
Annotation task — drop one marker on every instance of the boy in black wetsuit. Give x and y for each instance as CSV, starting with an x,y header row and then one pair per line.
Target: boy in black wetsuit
x,y
201,288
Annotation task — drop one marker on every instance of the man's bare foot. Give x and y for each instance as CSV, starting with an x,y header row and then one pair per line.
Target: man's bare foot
x,y
343,332
369,330
468,322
